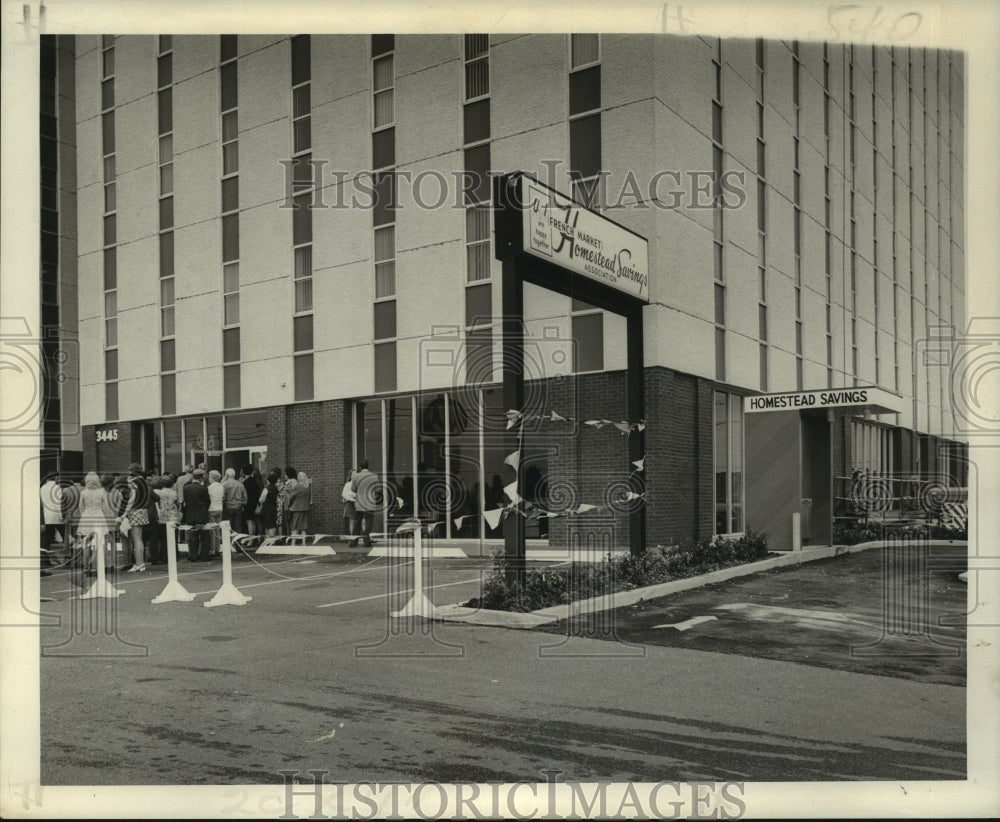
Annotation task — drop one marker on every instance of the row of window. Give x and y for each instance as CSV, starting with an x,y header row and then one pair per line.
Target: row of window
x,y
110,229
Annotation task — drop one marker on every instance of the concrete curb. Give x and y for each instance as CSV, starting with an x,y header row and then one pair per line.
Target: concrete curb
x,y
513,619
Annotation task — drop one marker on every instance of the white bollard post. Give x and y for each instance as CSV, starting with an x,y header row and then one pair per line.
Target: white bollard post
x,y
419,604
228,594
796,531
174,592
101,586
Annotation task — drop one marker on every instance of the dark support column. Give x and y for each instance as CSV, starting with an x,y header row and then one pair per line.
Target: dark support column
x,y
513,398
637,439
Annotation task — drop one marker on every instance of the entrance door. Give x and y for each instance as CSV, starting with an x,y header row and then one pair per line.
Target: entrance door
x,y
817,503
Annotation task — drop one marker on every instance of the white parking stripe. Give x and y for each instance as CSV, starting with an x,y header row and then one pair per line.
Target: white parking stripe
x,y
406,591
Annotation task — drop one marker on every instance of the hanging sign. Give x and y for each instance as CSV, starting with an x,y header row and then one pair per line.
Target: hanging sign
x,y
561,231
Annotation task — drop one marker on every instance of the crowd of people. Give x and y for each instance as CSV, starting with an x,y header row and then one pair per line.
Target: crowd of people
x,y
138,505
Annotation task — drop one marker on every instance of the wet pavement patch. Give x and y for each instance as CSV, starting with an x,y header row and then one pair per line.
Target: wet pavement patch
x,y
888,612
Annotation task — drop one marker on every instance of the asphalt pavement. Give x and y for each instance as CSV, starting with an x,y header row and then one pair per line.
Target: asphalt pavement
x,y
315,673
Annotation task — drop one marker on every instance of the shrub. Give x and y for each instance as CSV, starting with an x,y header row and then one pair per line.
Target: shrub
x,y
853,532
543,588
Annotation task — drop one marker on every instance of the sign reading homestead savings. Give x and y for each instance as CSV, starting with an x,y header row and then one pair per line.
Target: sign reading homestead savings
x,y
876,400
563,232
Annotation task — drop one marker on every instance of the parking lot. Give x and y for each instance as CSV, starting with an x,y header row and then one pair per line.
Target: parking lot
x,y
315,672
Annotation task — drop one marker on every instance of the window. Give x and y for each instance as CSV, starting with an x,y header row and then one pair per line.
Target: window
x,y
477,243
231,345
728,463
231,293
167,254
168,394
168,359
382,90
230,151
385,320
227,47
164,70
584,49
588,341
110,269
165,110
303,278
585,155
385,264
383,213
478,305
230,237
717,217
477,165
111,401
477,66
111,364
301,94
385,367
227,86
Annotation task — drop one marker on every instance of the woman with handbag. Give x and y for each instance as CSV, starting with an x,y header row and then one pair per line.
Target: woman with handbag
x,y
350,510
267,508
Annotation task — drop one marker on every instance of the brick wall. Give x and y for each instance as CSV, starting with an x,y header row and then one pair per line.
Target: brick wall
x,y
316,438
679,483
113,456
594,463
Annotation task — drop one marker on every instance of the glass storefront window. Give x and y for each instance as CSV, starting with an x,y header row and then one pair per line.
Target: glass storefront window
x,y
244,431
173,453
399,454
194,440
728,468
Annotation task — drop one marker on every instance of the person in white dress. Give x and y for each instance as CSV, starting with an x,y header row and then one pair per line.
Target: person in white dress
x,y
97,518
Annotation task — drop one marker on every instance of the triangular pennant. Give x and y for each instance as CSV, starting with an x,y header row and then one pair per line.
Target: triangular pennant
x,y
512,418
493,517
641,426
409,525
458,521
513,459
583,507
631,495
557,418
595,423
639,464
624,427
511,492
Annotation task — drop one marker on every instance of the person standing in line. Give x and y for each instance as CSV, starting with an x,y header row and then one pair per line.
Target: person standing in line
x,y
71,509
97,518
168,510
51,497
280,502
350,511
252,489
267,508
156,548
234,500
135,516
216,495
183,480
291,480
196,503
366,490
299,503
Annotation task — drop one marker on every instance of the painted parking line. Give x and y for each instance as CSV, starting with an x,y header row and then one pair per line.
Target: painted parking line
x,y
404,591
134,578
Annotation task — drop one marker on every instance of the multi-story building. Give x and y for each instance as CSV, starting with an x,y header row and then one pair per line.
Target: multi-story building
x,y
62,448
286,256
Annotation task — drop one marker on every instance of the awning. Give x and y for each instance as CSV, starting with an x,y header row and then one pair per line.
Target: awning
x,y
842,401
